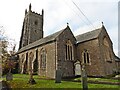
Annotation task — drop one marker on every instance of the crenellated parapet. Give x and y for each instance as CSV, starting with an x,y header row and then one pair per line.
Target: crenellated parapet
x,y
33,12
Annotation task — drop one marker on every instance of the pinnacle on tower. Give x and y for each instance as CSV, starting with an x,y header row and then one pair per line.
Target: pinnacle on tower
x,y
42,12
25,11
30,7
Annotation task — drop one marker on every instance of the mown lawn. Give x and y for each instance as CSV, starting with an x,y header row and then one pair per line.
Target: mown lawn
x,y
99,79
20,81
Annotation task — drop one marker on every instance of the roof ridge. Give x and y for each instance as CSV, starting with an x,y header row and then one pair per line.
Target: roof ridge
x,y
88,35
55,33
41,41
89,31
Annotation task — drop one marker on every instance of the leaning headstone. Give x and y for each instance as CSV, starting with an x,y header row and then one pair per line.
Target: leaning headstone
x,y
9,77
58,76
84,79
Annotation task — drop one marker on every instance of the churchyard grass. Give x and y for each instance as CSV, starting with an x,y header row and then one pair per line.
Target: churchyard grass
x,y
21,80
98,79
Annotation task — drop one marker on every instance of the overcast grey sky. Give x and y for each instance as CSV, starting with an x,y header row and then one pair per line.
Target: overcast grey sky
x,y
58,12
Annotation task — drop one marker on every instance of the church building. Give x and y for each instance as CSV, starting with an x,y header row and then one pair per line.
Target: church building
x,y
63,51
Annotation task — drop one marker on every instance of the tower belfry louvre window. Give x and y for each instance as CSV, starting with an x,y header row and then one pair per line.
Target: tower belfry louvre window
x,y
69,50
86,57
43,58
36,22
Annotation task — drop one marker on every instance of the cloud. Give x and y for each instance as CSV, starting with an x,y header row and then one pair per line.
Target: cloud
x,y
87,28
58,13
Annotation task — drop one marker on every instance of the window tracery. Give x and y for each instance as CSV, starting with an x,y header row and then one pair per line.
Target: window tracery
x,y
69,50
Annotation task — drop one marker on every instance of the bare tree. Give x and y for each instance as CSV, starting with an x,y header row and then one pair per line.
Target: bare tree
x,y
5,54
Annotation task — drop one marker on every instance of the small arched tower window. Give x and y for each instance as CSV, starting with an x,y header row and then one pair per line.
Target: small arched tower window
x,y
43,58
69,50
85,57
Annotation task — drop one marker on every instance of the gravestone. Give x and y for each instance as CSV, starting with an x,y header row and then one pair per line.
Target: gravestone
x,y
9,77
58,76
84,79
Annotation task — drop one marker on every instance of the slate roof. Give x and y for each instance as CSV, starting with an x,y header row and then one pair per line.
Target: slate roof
x,y
88,36
80,38
117,59
44,40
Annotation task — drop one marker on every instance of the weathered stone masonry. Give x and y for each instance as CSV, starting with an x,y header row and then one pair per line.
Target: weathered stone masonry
x,y
63,51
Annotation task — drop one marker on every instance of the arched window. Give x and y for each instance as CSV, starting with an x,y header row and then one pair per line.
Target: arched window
x,y
69,50
36,61
22,58
22,63
43,58
86,57
31,56
26,63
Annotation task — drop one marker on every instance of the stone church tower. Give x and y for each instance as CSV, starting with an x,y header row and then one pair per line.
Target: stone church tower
x,y
32,29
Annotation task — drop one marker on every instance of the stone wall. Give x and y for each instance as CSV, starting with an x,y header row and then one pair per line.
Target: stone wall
x,y
66,66
101,55
100,50
36,27
50,60
107,53
92,46
32,29
49,71
118,66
